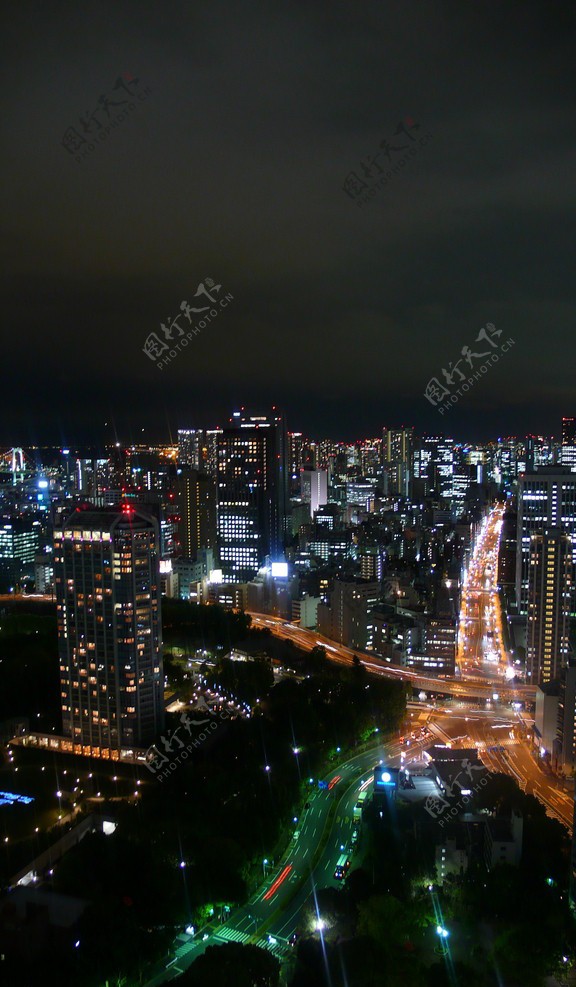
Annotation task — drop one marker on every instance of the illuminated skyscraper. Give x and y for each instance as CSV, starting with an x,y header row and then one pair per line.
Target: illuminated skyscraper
x,y
196,504
190,445
434,463
549,595
568,447
546,499
397,454
106,572
252,494
314,489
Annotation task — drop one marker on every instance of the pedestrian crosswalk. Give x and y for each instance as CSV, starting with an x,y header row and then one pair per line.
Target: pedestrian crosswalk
x,y
231,935
186,948
278,948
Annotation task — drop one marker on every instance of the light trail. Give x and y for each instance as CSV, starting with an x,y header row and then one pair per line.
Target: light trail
x,y
279,880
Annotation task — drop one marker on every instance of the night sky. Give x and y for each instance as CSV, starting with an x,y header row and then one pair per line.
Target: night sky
x,y
232,168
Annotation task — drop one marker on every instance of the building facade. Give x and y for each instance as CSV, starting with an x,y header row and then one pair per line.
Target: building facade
x,y
251,494
546,499
106,568
549,596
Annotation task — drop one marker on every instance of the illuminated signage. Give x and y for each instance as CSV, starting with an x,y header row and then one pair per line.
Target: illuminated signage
x,y
280,570
9,798
385,777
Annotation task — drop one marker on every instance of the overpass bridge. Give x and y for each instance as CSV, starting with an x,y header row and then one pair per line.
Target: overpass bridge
x,y
461,688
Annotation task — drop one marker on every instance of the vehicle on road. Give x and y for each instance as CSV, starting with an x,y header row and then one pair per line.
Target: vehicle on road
x,y
342,867
357,811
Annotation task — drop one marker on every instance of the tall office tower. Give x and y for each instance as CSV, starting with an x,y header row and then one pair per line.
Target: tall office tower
x,y
546,499
549,597
538,452
190,445
437,464
314,489
397,455
106,568
529,454
296,443
507,551
326,452
210,451
568,447
371,458
506,456
300,457
252,494
195,494
19,543
477,459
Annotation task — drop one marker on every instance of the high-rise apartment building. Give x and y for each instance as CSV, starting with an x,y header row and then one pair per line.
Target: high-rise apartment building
x,y
106,569
549,596
251,494
195,493
546,499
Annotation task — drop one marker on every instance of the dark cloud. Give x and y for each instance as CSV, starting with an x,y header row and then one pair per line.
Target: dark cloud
x,y
233,168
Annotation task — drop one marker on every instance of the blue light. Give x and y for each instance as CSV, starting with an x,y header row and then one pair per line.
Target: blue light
x,y
9,798
386,777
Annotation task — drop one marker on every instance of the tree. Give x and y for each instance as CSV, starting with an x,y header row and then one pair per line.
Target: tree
x,y
243,966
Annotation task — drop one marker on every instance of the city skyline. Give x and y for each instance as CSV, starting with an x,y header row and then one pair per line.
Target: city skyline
x,y
288,494
169,438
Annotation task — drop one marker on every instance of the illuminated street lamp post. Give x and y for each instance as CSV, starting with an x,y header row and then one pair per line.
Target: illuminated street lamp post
x,y
443,934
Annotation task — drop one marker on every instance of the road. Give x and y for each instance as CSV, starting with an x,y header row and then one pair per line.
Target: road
x,y
481,650
498,736
473,686
309,862
275,912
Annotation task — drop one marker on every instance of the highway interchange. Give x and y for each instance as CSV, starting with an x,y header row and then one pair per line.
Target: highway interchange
x,y
482,709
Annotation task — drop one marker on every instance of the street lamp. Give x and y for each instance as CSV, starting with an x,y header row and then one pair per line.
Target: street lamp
x,y
443,935
264,865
